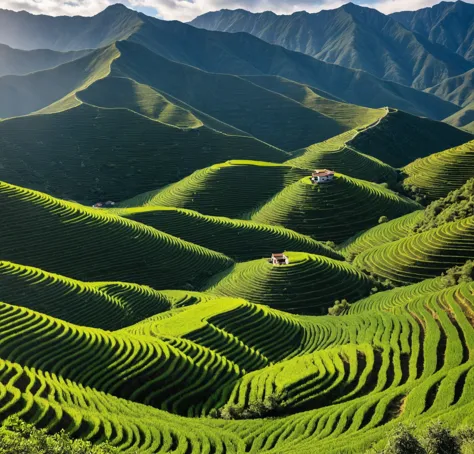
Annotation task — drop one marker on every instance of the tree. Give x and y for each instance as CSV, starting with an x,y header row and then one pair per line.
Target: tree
x,y
339,308
440,440
383,219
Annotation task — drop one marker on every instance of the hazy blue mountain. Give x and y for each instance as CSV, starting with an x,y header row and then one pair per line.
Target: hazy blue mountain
x,y
239,54
19,62
352,36
23,30
458,90
450,24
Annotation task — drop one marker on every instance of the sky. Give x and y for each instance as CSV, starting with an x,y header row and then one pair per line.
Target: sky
x,y
186,10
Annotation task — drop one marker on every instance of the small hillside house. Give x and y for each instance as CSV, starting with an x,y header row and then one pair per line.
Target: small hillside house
x,y
280,259
322,176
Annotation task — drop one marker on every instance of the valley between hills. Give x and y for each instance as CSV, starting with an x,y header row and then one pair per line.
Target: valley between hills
x,y
250,233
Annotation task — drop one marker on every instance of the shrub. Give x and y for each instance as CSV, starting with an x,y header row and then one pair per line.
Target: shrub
x,y
402,441
383,219
339,308
18,437
440,440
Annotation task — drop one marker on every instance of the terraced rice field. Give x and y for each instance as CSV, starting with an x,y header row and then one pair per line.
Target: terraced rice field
x,y
381,234
423,255
90,244
229,189
438,174
307,285
238,239
333,211
337,154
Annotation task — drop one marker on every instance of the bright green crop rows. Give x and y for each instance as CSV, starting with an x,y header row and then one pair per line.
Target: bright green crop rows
x,y
383,233
423,255
440,173
230,189
90,244
241,240
332,211
307,285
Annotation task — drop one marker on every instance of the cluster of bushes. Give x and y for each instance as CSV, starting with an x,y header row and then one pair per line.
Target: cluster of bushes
x,y
270,407
437,439
458,204
459,274
18,437
339,308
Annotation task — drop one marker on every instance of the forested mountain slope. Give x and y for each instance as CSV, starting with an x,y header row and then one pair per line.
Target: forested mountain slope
x,y
351,36
450,24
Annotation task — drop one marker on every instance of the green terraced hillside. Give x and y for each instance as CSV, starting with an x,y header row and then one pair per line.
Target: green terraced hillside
x,y
337,153
231,189
106,305
90,244
240,240
423,255
383,233
440,173
348,115
307,285
400,138
90,154
333,211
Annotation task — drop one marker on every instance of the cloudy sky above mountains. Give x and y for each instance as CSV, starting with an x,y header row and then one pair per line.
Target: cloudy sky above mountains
x,y
185,10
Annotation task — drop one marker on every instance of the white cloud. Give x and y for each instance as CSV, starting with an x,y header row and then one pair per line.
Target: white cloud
x,y
185,10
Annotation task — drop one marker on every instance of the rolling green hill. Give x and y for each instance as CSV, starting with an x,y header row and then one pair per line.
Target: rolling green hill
x,y
423,255
22,95
240,240
307,285
100,305
19,62
400,138
440,173
89,153
90,244
232,189
352,36
333,211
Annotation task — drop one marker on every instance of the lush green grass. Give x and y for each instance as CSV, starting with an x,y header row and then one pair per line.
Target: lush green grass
x,y
91,244
383,233
400,138
241,240
307,285
333,211
88,153
338,154
423,255
440,173
233,188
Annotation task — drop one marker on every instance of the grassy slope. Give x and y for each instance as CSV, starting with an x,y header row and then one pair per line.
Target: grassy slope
x,y
338,154
240,240
229,189
105,305
440,173
333,211
89,244
348,115
25,94
89,153
458,90
463,119
308,285
266,115
423,255
19,62
400,138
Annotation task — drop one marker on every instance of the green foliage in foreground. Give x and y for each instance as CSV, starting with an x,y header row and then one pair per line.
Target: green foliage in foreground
x,y
18,437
